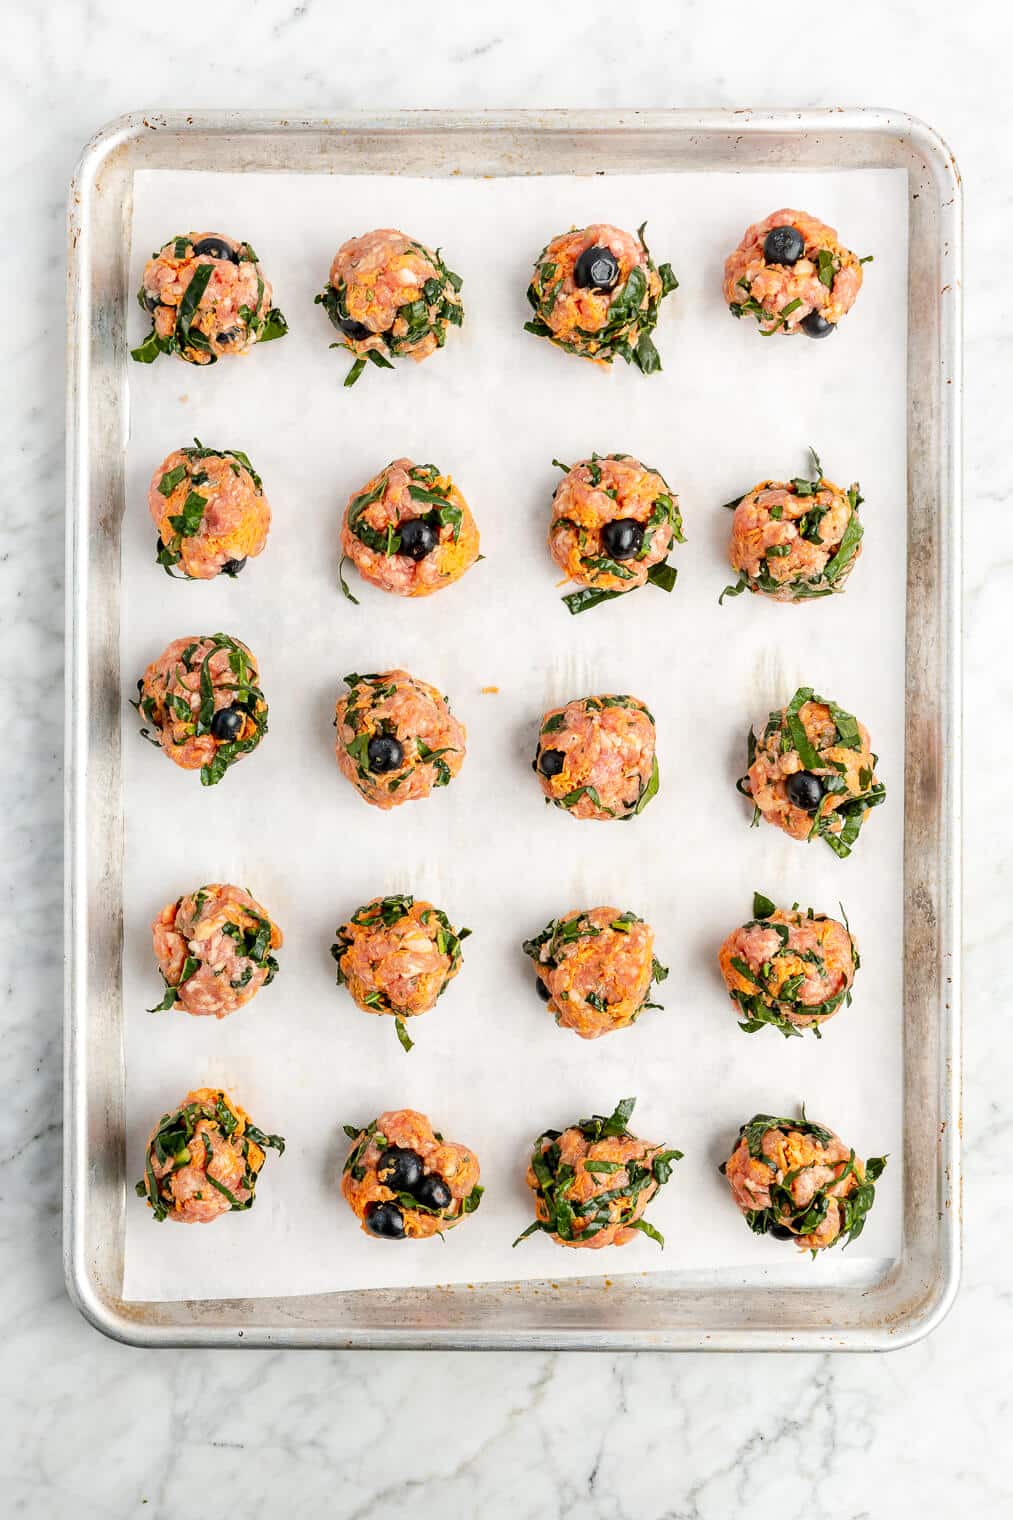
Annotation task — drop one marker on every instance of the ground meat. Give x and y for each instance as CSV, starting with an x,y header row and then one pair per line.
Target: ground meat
x,y
213,948
808,288
595,757
397,955
409,530
614,522
593,1181
812,772
402,1180
203,1159
202,699
791,970
207,298
793,540
396,738
210,511
596,293
791,1177
595,969
390,298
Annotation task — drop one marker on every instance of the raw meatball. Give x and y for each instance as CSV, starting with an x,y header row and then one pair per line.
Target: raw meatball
x,y
595,757
206,297
595,969
593,1181
203,1159
397,955
409,530
614,521
812,772
202,699
402,1180
791,274
389,295
596,293
792,1177
397,738
210,511
795,539
791,970
213,949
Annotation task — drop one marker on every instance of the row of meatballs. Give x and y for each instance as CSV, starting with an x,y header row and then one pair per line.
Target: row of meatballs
x,y
592,1181
595,969
613,523
594,291
810,771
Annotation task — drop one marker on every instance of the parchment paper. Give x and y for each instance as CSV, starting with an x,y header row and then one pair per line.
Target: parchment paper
x,y
489,1066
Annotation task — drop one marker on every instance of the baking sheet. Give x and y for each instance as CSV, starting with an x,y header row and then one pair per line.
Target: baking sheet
x,y
489,1067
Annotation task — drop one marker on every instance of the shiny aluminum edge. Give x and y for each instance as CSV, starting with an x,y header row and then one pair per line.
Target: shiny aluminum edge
x,y
910,1299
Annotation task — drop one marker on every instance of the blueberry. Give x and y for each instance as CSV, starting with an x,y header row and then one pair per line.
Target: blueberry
x,y
418,538
780,1232
386,1220
804,791
384,753
783,245
623,538
217,247
227,723
551,762
400,1169
596,269
233,566
543,991
433,1192
357,331
815,325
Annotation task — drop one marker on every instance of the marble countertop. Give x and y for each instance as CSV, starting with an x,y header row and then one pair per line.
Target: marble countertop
x,y
93,1429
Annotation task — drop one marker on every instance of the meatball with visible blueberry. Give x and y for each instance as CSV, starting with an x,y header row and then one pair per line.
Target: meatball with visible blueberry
x,y
207,298
403,1181
397,739
595,757
795,1179
596,292
596,969
614,523
203,702
390,297
409,531
791,274
210,512
812,772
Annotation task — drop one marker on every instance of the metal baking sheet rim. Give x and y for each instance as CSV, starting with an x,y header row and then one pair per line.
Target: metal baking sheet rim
x,y
917,1291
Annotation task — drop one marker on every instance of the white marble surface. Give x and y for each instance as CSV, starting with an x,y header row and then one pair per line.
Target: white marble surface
x,y
92,1429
